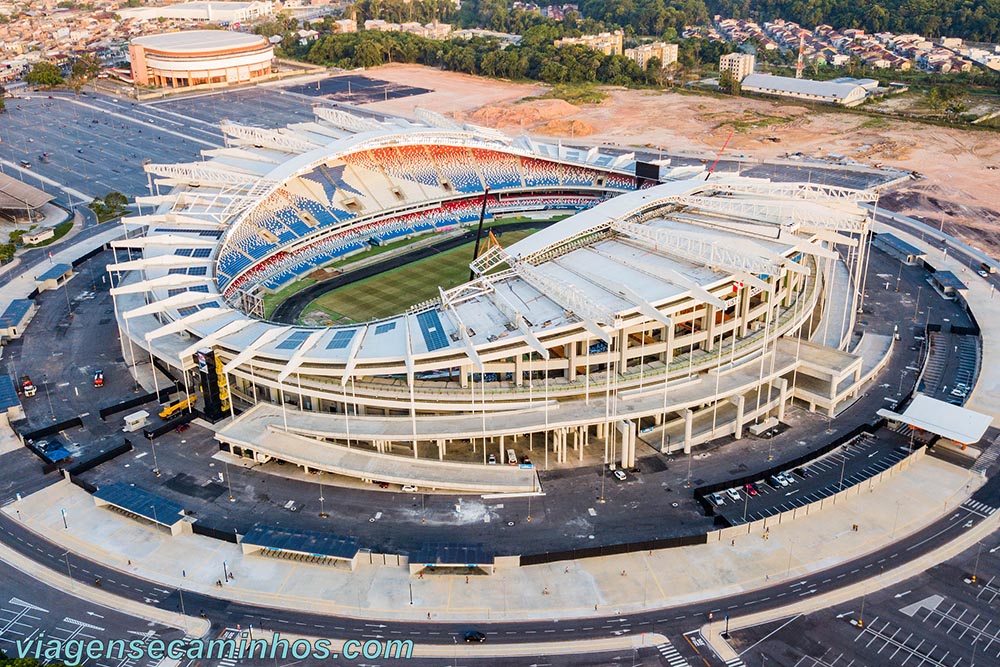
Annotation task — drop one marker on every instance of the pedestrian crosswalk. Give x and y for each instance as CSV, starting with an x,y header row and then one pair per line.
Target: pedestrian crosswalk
x,y
735,662
987,458
672,656
979,508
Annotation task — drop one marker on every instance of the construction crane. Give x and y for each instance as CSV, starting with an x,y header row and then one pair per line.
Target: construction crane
x,y
182,404
800,64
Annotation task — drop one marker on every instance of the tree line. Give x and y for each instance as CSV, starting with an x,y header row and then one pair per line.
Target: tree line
x,y
977,21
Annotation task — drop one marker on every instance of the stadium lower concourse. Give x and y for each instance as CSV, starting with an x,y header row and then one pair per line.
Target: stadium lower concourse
x,y
683,310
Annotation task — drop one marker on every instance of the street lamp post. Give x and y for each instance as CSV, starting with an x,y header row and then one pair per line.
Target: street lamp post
x,y
843,468
975,568
322,509
68,571
229,483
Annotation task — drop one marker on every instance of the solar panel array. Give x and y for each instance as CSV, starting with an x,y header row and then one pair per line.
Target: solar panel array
x,y
308,542
294,341
430,327
141,502
341,339
15,312
385,328
56,271
8,394
450,553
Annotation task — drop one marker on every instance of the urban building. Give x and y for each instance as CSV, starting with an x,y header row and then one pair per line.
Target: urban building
x,y
667,53
211,12
608,43
845,91
194,57
738,65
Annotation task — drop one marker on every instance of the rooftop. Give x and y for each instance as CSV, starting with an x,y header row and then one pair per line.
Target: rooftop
x,y
789,84
197,41
15,312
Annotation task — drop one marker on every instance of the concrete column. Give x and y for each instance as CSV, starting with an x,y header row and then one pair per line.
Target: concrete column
x,y
571,373
440,445
688,430
740,402
519,370
622,349
657,419
710,327
668,353
463,376
744,309
783,392
628,445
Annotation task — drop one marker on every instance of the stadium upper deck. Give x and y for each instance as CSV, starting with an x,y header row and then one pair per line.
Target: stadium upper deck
x,y
645,286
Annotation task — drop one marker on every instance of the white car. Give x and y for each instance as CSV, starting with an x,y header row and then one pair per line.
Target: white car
x,y
717,499
620,475
733,493
409,488
787,477
983,274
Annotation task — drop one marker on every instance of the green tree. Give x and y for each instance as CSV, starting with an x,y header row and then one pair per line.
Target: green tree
x,y
3,99
44,73
85,67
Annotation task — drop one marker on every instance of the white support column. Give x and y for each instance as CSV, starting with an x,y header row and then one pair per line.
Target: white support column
x,y
688,430
783,392
740,402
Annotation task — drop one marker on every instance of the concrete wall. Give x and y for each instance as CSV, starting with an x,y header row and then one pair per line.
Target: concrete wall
x,y
804,511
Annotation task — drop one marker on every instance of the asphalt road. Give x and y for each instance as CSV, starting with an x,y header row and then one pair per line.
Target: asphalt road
x,y
670,621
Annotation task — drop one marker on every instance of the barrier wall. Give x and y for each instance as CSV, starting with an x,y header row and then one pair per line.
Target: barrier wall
x,y
799,512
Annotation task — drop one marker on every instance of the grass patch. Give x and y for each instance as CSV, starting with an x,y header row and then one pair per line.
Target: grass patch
x,y
271,301
579,93
61,230
752,121
392,292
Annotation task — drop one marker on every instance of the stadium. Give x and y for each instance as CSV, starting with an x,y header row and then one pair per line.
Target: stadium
x,y
194,57
659,314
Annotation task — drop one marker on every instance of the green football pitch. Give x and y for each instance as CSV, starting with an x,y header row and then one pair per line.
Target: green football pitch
x,y
394,291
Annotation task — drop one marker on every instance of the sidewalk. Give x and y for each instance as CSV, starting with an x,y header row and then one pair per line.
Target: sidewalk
x,y
570,589
22,284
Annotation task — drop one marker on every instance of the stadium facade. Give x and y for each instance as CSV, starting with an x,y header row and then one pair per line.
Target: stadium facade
x,y
195,57
660,315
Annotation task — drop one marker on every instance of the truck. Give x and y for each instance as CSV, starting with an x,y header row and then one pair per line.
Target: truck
x,y
182,404
28,387
987,267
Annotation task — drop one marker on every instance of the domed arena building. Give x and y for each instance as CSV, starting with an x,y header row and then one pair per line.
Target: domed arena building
x,y
195,57
658,315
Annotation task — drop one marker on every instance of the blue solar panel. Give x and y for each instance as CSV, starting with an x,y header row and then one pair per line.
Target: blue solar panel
x,y
385,328
341,340
430,327
307,542
294,341
15,312
56,271
184,252
8,395
141,502
202,252
454,554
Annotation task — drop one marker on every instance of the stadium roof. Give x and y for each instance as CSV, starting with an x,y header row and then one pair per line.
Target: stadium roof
x,y
949,421
15,194
15,312
787,84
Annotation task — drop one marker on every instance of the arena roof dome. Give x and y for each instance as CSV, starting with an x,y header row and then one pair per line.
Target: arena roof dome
x,y
200,41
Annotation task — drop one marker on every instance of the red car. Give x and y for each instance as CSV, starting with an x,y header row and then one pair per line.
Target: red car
x,y
750,489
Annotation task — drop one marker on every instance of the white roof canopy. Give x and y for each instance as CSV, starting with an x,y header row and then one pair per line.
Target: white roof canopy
x,y
947,420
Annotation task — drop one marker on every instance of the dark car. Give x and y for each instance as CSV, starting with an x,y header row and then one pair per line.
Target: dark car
x,y
474,637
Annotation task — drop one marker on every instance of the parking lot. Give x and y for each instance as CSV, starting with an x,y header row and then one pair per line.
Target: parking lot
x,y
29,611
355,89
848,465
939,618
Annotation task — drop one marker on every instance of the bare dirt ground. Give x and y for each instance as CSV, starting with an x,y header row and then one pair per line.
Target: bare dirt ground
x,y
960,190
